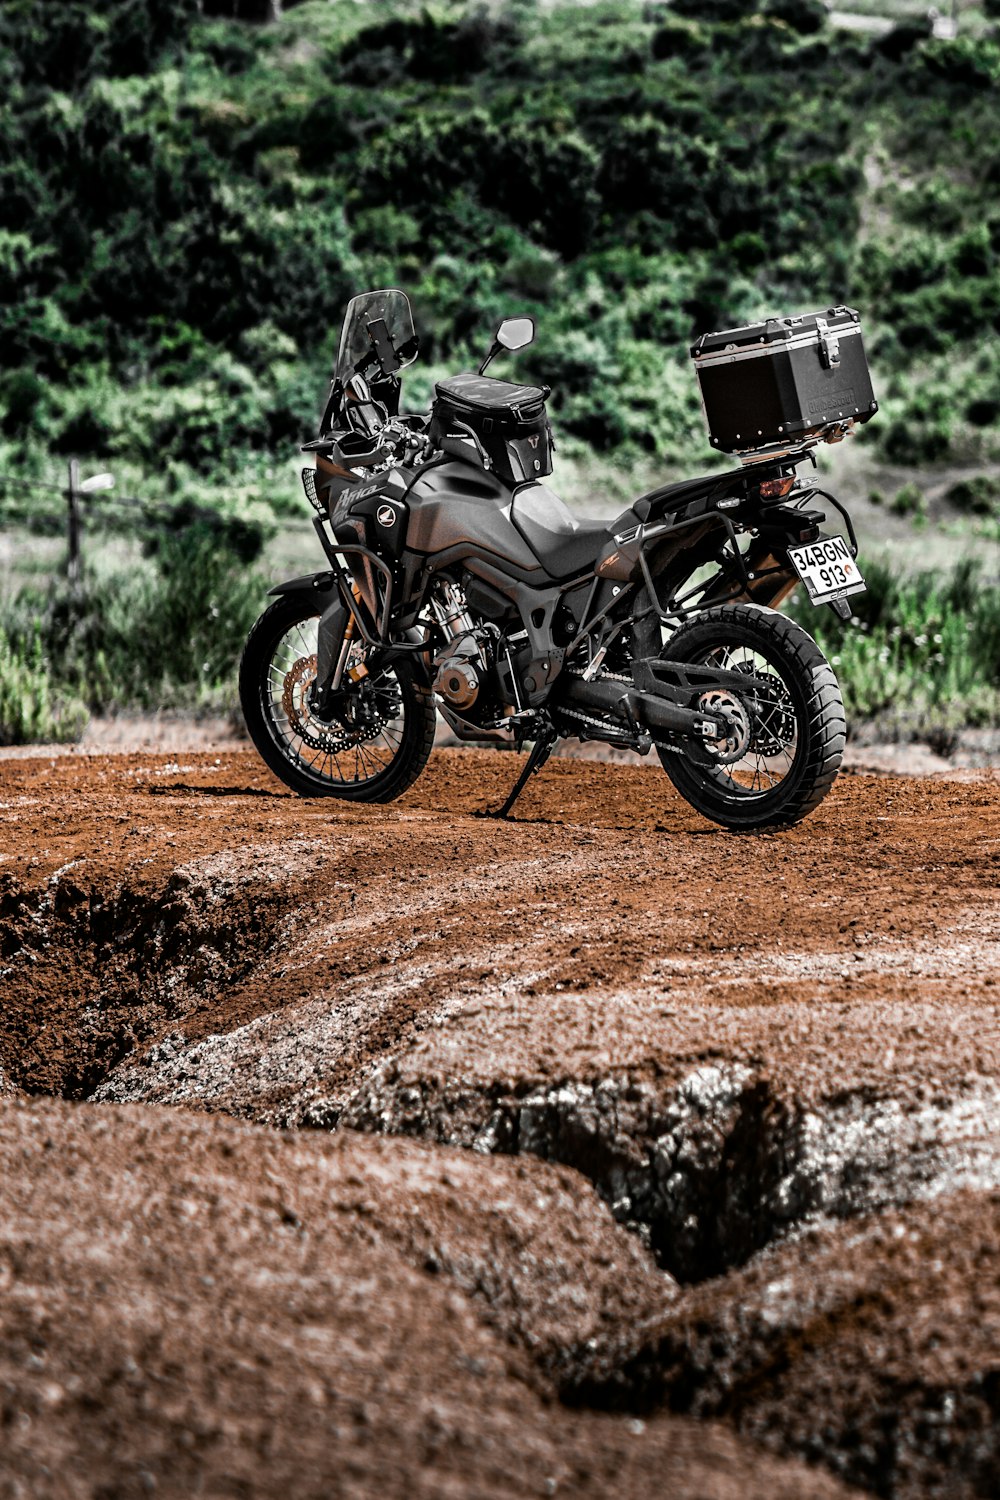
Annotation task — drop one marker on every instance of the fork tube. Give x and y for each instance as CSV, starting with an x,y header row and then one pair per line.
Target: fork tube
x,y
345,651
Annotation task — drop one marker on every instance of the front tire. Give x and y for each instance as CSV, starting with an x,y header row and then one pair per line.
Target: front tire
x,y
796,741
375,759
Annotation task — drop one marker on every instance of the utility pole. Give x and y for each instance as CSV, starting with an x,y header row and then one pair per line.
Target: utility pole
x,y
73,518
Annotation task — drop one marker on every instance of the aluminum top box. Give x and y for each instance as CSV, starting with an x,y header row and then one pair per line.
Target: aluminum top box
x,y
784,382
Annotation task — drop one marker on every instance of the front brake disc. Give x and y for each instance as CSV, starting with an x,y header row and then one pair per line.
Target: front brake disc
x,y
328,738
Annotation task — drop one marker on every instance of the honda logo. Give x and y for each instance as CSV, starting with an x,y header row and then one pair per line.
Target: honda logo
x,y
385,515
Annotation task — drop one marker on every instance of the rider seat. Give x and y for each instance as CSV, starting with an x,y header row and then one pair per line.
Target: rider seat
x,y
563,543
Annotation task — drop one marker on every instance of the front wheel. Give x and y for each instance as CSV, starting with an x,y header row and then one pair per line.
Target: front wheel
x,y
370,751
785,746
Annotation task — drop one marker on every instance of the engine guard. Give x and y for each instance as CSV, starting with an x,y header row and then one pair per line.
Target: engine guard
x,y
324,591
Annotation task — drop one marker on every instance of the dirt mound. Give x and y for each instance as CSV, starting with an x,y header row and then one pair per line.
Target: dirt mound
x,y
711,1147
873,1346
191,1306
736,1041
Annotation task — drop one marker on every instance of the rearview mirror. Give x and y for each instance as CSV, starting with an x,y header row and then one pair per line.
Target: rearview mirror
x,y
512,334
515,333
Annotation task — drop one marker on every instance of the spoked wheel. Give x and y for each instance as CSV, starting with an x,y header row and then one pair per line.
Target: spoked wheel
x,y
371,750
784,747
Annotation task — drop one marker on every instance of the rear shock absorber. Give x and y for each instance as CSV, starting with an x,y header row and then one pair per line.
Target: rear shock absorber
x,y
450,610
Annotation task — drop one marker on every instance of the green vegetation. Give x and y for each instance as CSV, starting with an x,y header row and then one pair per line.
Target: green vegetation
x,y
910,501
187,202
922,654
32,709
162,634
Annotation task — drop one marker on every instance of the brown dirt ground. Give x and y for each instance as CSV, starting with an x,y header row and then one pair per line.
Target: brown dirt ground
x,y
193,1307
774,1049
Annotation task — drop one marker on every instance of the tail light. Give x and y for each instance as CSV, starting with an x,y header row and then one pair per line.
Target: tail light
x,y
773,489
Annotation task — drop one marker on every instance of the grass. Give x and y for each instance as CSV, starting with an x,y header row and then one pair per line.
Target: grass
x,y
33,709
921,654
165,633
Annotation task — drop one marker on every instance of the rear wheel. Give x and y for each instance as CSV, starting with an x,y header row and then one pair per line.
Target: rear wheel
x,y
371,751
785,746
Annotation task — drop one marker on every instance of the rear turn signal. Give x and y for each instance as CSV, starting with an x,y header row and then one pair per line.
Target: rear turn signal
x,y
772,488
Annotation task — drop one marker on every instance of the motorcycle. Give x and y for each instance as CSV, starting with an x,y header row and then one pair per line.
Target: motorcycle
x,y
458,582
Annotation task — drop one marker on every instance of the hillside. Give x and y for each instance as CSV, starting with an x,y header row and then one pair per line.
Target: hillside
x,y
186,203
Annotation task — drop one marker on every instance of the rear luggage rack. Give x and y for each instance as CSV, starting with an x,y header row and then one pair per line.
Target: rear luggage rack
x,y
834,433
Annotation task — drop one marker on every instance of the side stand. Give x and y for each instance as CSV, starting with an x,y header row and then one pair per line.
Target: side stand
x,y
540,752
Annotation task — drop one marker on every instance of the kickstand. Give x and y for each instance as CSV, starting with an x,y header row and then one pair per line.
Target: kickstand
x,y
540,752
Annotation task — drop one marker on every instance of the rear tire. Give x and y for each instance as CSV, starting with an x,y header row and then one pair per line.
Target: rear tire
x,y
275,672
797,744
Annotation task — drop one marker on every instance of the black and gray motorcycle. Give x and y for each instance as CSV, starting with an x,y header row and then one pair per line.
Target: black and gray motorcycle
x,y
457,581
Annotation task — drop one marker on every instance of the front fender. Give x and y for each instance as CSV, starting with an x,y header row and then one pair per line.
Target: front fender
x,y
322,592
322,584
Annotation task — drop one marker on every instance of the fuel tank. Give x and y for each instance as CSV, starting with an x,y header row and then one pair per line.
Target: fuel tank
x,y
456,510
373,513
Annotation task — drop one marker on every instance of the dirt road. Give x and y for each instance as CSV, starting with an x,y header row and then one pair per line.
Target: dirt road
x,y
750,1086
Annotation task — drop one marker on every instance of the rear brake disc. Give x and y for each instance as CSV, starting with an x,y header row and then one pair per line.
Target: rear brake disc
x,y
727,706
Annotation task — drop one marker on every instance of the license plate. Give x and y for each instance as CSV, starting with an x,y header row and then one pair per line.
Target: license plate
x,y
827,569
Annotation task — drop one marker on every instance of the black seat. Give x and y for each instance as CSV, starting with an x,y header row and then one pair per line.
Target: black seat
x,y
671,497
563,543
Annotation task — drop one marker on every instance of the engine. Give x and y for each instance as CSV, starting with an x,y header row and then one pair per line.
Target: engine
x,y
458,673
463,666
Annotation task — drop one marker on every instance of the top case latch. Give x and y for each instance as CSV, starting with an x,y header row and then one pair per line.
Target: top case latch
x,y
829,345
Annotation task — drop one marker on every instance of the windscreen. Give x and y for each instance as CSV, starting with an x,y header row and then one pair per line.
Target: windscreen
x,y
377,335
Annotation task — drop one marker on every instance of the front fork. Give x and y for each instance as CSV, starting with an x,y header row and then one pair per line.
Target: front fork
x,y
335,637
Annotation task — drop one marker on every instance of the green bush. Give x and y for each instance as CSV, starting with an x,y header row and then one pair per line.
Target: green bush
x,y
910,500
921,649
716,10
537,174
62,44
32,707
163,634
804,16
980,495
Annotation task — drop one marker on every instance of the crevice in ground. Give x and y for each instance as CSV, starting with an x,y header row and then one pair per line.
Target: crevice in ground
x,y
89,974
718,1165
695,1171
712,1169
708,1165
